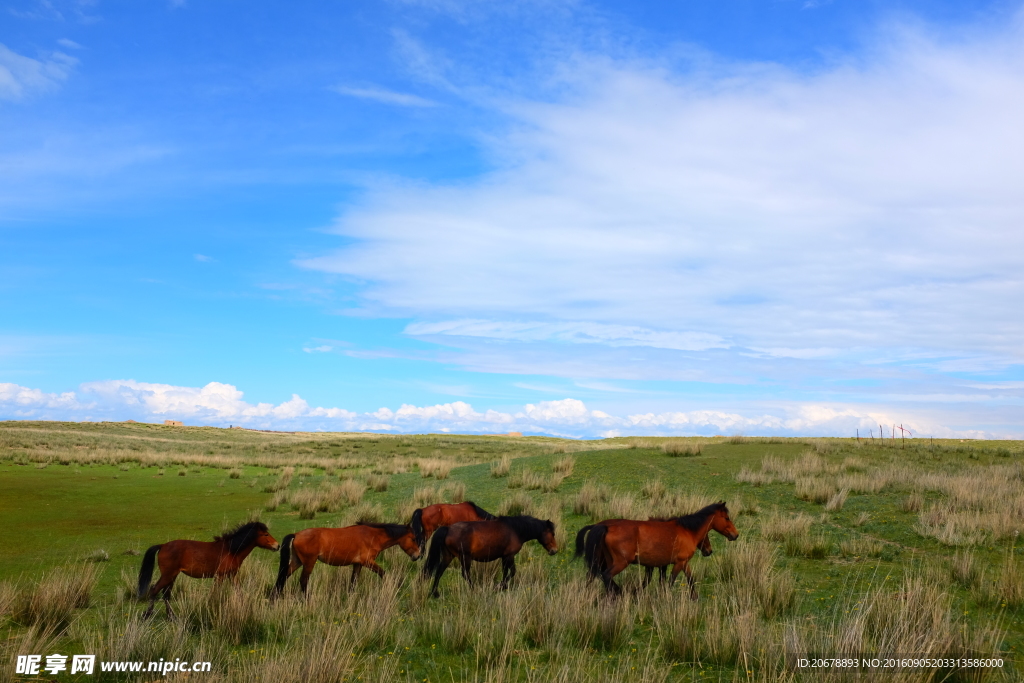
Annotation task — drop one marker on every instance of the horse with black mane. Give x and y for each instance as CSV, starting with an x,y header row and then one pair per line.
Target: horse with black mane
x,y
704,545
200,560
426,520
609,549
357,545
486,541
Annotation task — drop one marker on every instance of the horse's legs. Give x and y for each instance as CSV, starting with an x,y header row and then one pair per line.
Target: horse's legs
x,y
167,599
375,568
446,560
467,564
307,569
664,570
684,566
648,573
166,580
356,568
508,570
617,566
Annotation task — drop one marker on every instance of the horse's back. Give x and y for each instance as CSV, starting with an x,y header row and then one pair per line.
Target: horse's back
x,y
484,540
651,543
343,546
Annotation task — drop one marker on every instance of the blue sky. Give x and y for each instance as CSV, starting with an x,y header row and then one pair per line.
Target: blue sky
x,y
572,218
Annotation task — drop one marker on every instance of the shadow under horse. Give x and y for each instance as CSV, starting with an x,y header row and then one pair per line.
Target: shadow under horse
x,y
501,538
200,559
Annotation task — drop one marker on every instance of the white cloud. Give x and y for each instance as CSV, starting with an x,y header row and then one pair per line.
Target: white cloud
x,y
202,258
22,76
222,404
862,210
385,96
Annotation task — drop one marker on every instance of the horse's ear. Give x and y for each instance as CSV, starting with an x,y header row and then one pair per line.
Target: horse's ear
x,y
550,525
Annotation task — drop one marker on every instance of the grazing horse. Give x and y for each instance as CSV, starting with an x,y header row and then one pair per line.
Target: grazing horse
x,y
485,542
426,520
200,560
356,545
704,546
610,549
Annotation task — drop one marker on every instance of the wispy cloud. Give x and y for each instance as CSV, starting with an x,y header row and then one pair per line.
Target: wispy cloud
x,y
202,258
385,96
801,216
21,76
569,332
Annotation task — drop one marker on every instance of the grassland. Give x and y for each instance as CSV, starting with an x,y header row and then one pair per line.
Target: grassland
x,y
846,547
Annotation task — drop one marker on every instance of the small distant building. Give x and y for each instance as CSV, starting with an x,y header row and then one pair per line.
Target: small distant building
x,y
174,423
514,434
132,421
237,427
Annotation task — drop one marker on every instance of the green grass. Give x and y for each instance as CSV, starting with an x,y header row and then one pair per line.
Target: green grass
x,y
100,488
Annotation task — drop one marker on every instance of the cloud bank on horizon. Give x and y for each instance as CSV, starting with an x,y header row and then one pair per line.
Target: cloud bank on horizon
x,y
220,405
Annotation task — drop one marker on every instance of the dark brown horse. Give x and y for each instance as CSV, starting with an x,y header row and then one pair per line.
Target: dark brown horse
x,y
704,545
487,541
200,560
610,549
426,520
356,545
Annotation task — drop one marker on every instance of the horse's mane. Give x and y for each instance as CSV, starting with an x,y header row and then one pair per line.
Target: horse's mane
x,y
524,526
241,536
393,530
694,520
481,513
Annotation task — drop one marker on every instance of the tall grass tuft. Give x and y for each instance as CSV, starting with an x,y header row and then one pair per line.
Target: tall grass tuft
x,y
501,468
52,602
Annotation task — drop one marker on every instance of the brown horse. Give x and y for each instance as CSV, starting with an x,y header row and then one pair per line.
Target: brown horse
x,y
487,541
610,549
200,560
356,545
426,520
704,546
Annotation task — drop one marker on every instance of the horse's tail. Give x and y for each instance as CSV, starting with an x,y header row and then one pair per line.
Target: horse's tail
x,y
580,537
417,527
593,555
286,561
436,550
146,571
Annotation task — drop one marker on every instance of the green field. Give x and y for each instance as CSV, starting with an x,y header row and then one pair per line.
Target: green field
x,y
845,547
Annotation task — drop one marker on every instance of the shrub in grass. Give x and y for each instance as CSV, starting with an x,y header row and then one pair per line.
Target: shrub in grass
x,y
564,466
51,603
964,570
814,490
378,482
282,482
235,473
861,547
837,500
452,492
780,527
501,468
812,547
653,489
680,449
182,472
436,468
98,555
590,500
519,503
912,503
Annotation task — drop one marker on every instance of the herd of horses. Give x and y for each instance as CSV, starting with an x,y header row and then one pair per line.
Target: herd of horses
x,y
462,531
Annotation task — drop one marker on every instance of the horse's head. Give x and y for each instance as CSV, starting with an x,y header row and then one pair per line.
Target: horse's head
x,y
547,537
705,545
721,523
409,542
265,540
